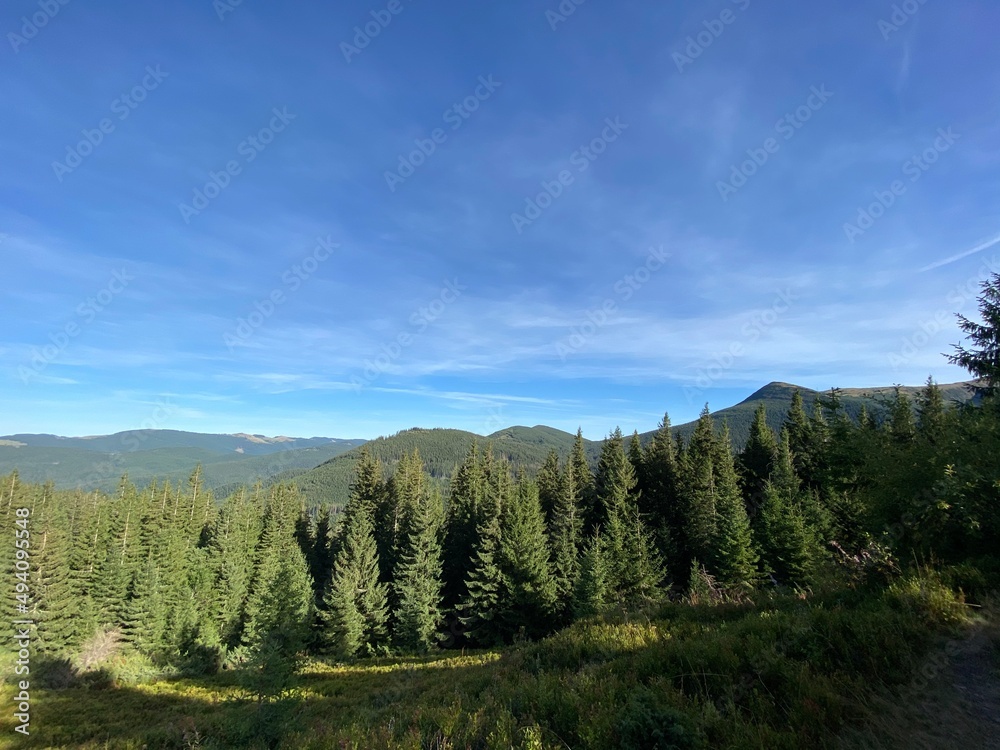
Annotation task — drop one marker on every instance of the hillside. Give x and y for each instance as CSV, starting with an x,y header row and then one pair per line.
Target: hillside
x,y
441,450
526,447
777,398
130,441
323,467
99,462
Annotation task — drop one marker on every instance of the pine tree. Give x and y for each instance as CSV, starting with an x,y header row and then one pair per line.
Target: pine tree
x,y
482,608
983,359
757,459
279,614
466,497
565,538
584,479
902,425
530,591
231,555
355,620
549,484
930,405
786,543
590,597
698,492
615,481
734,558
418,577
659,501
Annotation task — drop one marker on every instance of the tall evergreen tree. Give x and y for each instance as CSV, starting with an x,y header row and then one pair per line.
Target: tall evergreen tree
x,y
615,482
786,544
418,577
279,614
734,558
590,597
466,496
756,460
356,602
983,358
565,538
698,494
902,424
530,591
659,501
482,608
584,479
802,440
637,457
232,555
356,606
549,484
931,419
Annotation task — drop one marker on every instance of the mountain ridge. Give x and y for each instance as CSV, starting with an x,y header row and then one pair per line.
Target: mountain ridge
x,y
323,467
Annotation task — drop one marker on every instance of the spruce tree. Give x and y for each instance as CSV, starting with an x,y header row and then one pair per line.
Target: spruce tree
x,y
633,565
565,538
418,577
757,459
466,495
482,608
931,414
279,614
590,596
637,457
786,543
802,440
698,493
983,358
549,484
356,604
902,425
231,554
659,501
530,591
63,620
734,558
615,481
321,556
584,479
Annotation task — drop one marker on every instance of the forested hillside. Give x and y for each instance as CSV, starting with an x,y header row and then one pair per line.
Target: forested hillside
x,y
526,447
441,451
145,455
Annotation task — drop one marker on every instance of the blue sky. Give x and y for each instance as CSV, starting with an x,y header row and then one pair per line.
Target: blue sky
x,y
486,215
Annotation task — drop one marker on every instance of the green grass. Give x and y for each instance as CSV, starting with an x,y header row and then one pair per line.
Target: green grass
x,y
782,672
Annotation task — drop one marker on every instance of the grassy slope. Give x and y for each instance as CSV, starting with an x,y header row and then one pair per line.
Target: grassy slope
x,y
784,673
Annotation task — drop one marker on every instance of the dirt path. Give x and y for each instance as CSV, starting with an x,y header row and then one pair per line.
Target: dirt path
x,y
952,704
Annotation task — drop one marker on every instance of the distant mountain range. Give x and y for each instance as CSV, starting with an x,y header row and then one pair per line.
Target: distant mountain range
x,y
323,466
98,462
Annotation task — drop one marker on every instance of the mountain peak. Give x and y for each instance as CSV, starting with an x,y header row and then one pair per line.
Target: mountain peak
x,y
777,390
